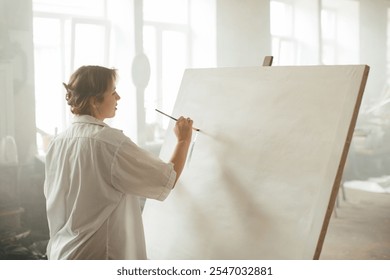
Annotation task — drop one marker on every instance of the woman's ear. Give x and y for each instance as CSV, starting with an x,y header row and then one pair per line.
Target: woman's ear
x,y
93,106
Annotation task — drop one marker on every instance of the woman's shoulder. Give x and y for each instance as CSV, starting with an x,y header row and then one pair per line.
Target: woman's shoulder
x,y
113,136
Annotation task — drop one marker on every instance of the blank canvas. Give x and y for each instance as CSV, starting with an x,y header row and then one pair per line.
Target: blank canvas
x,y
265,168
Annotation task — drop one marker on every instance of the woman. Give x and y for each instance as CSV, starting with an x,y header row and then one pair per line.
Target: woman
x,y
95,176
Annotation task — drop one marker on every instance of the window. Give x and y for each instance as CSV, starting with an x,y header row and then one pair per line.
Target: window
x,y
166,42
91,8
284,45
89,42
49,74
312,32
71,33
329,36
67,34
339,32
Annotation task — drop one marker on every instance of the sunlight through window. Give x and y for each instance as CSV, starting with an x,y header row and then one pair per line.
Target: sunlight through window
x,y
66,35
166,36
282,31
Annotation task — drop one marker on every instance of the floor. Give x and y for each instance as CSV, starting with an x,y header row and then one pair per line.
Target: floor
x,y
359,228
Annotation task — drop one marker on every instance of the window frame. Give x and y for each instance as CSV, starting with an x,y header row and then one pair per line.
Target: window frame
x,y
160,123
67,59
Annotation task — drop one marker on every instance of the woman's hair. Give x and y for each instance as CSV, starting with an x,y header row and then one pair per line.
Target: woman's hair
x,y
87,82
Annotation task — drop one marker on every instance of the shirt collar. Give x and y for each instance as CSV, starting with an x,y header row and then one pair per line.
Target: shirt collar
x,y
88,119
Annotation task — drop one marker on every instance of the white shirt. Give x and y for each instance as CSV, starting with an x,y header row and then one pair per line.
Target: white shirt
x,y
94,177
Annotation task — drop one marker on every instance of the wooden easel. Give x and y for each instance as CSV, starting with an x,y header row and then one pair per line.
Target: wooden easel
x,y
268,60
256,215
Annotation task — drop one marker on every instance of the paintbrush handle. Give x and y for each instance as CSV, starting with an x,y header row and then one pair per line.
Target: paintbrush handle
x,y
194,128
166,115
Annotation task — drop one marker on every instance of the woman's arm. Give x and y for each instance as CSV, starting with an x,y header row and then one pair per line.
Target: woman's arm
x,y
183,131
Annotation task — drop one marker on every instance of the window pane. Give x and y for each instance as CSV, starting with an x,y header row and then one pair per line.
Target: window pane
x,y
152,98
340,32
328,24
287,53
284,51
89,45
173,11
174,54
49,94
328,54
74,7
165,36
281,19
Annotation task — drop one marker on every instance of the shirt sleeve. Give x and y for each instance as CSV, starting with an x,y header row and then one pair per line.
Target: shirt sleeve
x,y
139,172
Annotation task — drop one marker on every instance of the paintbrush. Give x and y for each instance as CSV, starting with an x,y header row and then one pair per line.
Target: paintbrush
x,y
194,128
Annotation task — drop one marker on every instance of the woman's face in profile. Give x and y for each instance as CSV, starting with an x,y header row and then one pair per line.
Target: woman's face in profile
x,y
107,108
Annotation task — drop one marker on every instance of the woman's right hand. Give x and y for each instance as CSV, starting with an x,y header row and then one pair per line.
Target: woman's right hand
x,y
183,129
